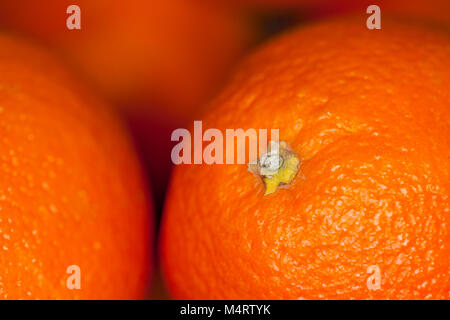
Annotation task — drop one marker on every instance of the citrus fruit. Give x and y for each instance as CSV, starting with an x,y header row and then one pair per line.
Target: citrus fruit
x,y
169,56
75,217
364,209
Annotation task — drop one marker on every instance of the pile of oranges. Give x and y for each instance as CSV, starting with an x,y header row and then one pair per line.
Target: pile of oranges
x,y
357,207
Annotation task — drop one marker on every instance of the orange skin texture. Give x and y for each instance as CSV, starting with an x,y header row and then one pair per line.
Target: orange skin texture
x,y
167,55
368,114
71,188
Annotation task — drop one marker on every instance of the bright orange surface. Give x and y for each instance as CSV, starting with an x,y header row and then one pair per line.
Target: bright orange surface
x,y
71,190
368,113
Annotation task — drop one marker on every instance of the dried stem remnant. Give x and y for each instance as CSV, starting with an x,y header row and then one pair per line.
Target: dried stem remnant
x,y
277,166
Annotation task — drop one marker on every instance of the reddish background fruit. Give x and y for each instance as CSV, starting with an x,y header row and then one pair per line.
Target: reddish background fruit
x,y
71,192
430,10
172,53
368,114
433,10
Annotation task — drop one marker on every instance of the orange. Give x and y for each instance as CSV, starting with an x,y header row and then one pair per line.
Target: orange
x,y
71,188
169,56
367,215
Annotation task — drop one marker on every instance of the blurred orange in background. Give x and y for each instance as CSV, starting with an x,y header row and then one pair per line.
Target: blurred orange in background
x,y
171,53
72,192
434,10
159,61
429,10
